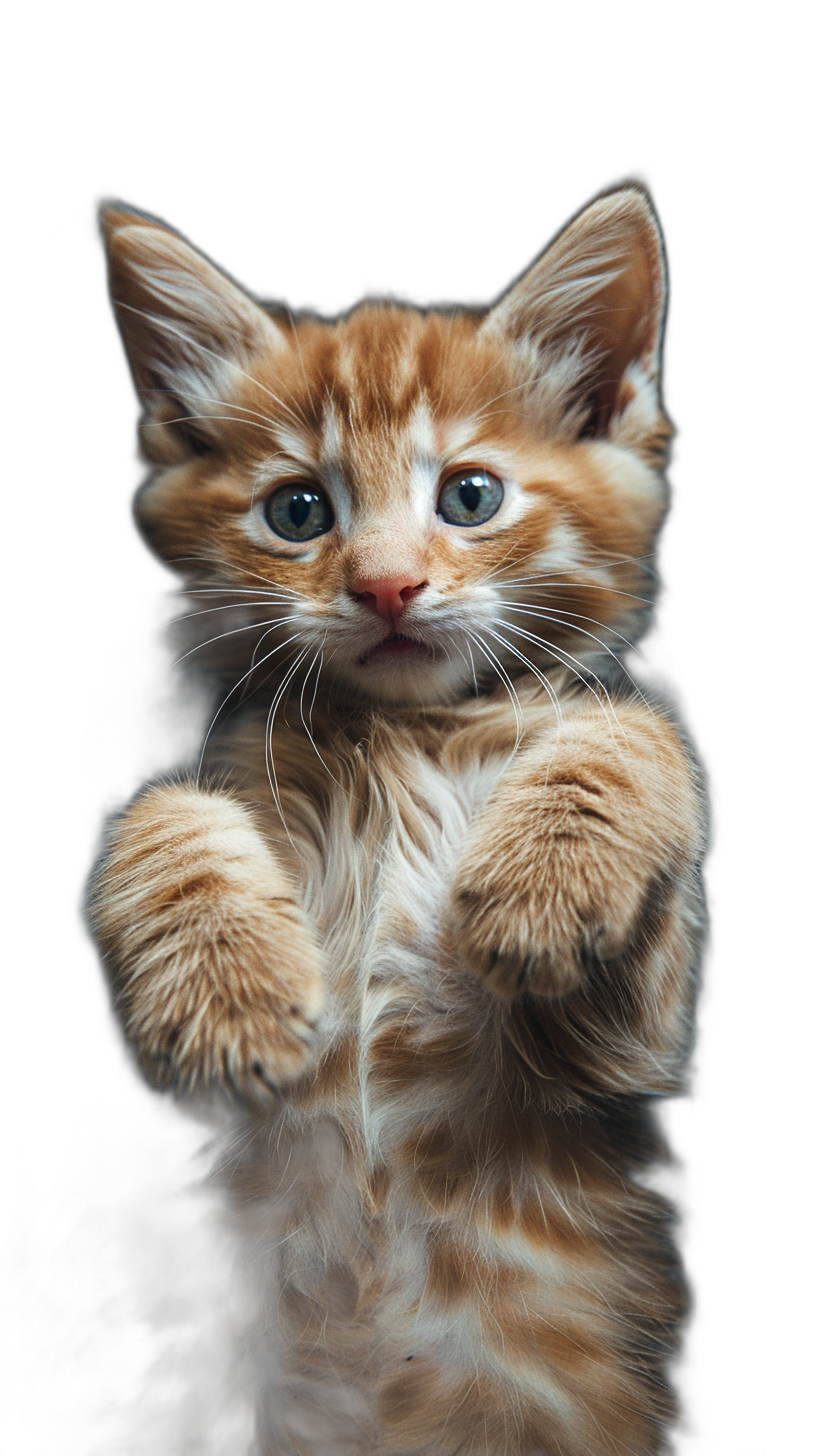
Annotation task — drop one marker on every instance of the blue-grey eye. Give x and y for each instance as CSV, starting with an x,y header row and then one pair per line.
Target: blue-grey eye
x,y
470,497
299,511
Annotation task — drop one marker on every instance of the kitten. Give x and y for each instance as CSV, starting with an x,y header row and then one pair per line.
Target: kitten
x,y
427,913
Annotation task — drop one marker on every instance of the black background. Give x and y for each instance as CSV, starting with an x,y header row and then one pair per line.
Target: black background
x,y
449,217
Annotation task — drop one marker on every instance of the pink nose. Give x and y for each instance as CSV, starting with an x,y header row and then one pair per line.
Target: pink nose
x,y
388,596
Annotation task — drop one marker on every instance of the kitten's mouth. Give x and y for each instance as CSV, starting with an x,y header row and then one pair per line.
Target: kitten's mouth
x,y
396,644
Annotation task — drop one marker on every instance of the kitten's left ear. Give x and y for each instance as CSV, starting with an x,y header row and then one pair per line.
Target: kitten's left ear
x,y
190,333
598,290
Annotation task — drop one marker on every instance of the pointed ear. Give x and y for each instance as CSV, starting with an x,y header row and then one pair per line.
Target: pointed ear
x,y
188,330
598,294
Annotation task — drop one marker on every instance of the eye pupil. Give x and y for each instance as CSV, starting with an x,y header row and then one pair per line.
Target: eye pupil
x,y
469,495
299,508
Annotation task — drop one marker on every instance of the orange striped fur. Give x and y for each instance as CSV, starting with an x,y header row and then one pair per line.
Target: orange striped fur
x,y
427,914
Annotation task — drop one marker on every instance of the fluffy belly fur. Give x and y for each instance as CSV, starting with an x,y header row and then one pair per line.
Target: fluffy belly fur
x,y
452,1253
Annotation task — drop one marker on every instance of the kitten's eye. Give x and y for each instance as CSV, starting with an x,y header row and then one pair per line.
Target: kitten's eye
x,y
299,511
470,497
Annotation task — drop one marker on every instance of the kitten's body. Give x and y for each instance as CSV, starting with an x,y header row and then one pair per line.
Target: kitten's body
x,y
458,927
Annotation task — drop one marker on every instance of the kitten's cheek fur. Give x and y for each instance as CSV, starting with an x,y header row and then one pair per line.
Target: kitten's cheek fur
x,y
215,975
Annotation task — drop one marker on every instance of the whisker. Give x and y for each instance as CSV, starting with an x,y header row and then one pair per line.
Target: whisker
x,y
270,729
261,596
473,669
308,726
542,678
572,582
317,680
210,399
225,700
233,633
494,571
233,607
573,665
577,586
231,566
269,629
585,566
219,589
464,659
547,617
517,709
318,653
182,419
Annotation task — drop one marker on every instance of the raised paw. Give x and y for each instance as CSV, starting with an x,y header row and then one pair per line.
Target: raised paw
x,y
536,898
216,976
243,1015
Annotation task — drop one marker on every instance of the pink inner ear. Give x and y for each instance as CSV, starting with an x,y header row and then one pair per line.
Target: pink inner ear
x,y
625,330
178,314
600,284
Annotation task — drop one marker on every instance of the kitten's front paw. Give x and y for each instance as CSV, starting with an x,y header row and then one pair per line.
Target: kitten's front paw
x,y
215,973
242,1013
533,903
508,942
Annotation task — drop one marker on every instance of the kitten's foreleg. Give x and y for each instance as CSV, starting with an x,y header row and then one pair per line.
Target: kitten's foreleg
x,y
215,974
560,866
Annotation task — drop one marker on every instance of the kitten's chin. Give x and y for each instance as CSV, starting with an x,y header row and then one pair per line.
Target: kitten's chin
x,y
404,678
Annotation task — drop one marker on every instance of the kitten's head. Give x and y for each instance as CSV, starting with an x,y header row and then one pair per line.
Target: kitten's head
x,y
419,500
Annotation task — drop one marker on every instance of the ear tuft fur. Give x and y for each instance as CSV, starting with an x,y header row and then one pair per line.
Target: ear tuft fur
x,y
598,291
188,330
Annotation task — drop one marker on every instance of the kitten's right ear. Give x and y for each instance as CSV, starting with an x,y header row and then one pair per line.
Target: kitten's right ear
x,y
597,295
189,331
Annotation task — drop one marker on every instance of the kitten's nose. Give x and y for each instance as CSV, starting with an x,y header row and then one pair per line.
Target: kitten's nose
x,y
388,596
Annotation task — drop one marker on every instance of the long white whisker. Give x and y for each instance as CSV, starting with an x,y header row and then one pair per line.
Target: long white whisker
x,y
183,419
479,382
318,653
557,571
270,729
464,659
473,669
271,594
308,726
517,710
277,622
574,665
225,700
542,678
585,566
525,384
234,607
210,399
494,570
576,586
317,680
231,566
559,622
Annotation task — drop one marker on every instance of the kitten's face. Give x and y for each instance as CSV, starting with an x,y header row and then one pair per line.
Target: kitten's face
x,y
413,502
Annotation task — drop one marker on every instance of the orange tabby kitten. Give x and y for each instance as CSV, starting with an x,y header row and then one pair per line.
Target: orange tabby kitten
x,y
428,911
